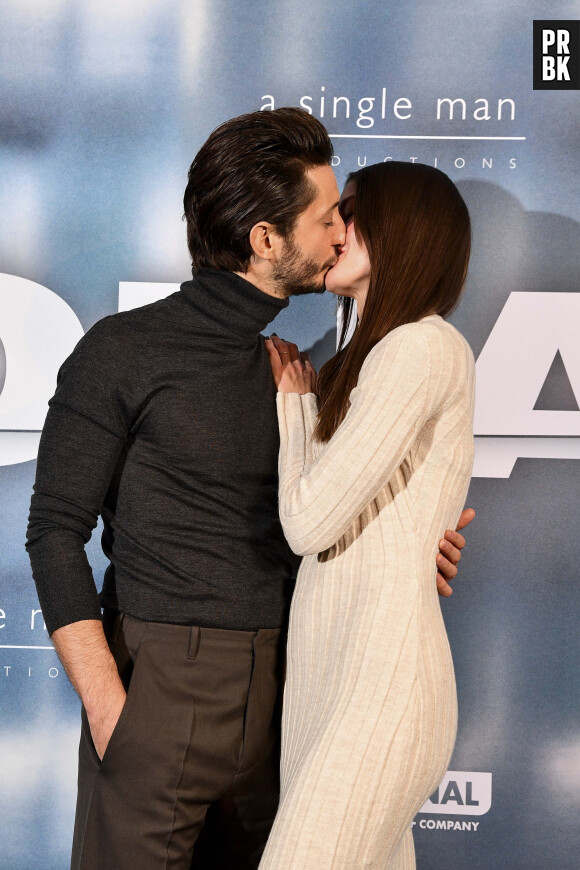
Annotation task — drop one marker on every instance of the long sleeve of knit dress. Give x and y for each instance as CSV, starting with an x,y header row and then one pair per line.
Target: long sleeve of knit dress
x,y
370,704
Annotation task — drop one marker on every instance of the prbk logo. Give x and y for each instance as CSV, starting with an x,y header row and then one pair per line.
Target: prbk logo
x,y
461,793
557,55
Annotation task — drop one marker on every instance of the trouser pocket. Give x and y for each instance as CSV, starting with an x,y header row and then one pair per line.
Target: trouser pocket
x,y
125,642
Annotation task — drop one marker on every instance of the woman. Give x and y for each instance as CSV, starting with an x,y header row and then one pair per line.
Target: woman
x,y
370,477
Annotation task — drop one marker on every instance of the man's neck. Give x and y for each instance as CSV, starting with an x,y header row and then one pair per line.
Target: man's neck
x,y
262,282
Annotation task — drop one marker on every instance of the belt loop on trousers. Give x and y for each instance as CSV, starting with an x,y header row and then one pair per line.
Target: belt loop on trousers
x,y
194,640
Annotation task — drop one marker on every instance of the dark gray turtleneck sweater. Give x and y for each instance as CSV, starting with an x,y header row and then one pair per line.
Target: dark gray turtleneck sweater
x,y
164,421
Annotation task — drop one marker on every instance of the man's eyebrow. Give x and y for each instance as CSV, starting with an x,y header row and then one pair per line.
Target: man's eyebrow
x,y
332,207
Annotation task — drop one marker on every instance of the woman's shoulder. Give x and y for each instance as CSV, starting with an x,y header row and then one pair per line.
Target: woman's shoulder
x,y
435,329
421,342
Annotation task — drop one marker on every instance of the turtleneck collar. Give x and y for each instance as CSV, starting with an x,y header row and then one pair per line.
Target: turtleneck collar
x,y
232,302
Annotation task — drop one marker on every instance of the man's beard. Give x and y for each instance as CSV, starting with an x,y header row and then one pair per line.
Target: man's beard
x,y
295,275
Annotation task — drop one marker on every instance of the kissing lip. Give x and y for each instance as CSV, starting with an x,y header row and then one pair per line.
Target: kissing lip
x,y
331,264
339,252
329,270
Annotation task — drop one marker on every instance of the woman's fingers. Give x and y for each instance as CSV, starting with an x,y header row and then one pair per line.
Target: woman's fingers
x,y
293,370
276,363
309,370
272,352
287,350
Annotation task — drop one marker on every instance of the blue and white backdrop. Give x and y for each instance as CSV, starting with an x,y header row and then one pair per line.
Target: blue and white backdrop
x,y
104,103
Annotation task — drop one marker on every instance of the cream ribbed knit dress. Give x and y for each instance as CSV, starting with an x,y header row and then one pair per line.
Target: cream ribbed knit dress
x,y
370,711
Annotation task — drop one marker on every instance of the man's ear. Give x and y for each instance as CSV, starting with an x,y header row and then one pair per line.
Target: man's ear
x,y
266,243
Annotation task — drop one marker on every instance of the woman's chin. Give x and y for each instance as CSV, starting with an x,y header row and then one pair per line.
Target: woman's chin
x,y
331,283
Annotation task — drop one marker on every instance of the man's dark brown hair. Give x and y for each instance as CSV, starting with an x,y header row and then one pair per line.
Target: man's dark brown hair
x,y
251,169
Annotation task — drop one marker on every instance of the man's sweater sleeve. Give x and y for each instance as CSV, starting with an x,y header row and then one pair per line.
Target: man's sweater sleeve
x,y
87,425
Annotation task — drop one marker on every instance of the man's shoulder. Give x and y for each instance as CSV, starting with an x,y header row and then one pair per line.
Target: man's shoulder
x,y
128,328
115,355
170,306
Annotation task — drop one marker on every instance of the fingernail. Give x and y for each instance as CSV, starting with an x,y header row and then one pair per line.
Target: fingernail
x,y
440,558
443,544
274,333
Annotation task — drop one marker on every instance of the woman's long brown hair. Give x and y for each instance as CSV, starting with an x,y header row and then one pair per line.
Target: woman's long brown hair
x,y
416,229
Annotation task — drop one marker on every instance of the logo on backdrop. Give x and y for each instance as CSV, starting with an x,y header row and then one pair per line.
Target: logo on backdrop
x,y
357,115
460,793
534,334
557,55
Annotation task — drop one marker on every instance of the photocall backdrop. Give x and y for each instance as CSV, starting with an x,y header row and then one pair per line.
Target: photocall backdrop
x,y
104,105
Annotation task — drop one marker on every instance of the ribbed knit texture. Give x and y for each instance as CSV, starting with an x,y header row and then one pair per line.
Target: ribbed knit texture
x,y
370,709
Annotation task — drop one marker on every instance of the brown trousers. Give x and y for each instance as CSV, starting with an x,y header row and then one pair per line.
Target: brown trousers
x,y
190,778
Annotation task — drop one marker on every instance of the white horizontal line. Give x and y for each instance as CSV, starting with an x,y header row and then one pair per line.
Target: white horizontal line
x,y
526,437
14,646
460,138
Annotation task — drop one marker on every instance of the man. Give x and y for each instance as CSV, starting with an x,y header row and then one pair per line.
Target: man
x,y
164,422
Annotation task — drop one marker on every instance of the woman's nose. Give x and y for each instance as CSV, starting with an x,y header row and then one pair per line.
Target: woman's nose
x,y
340,232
